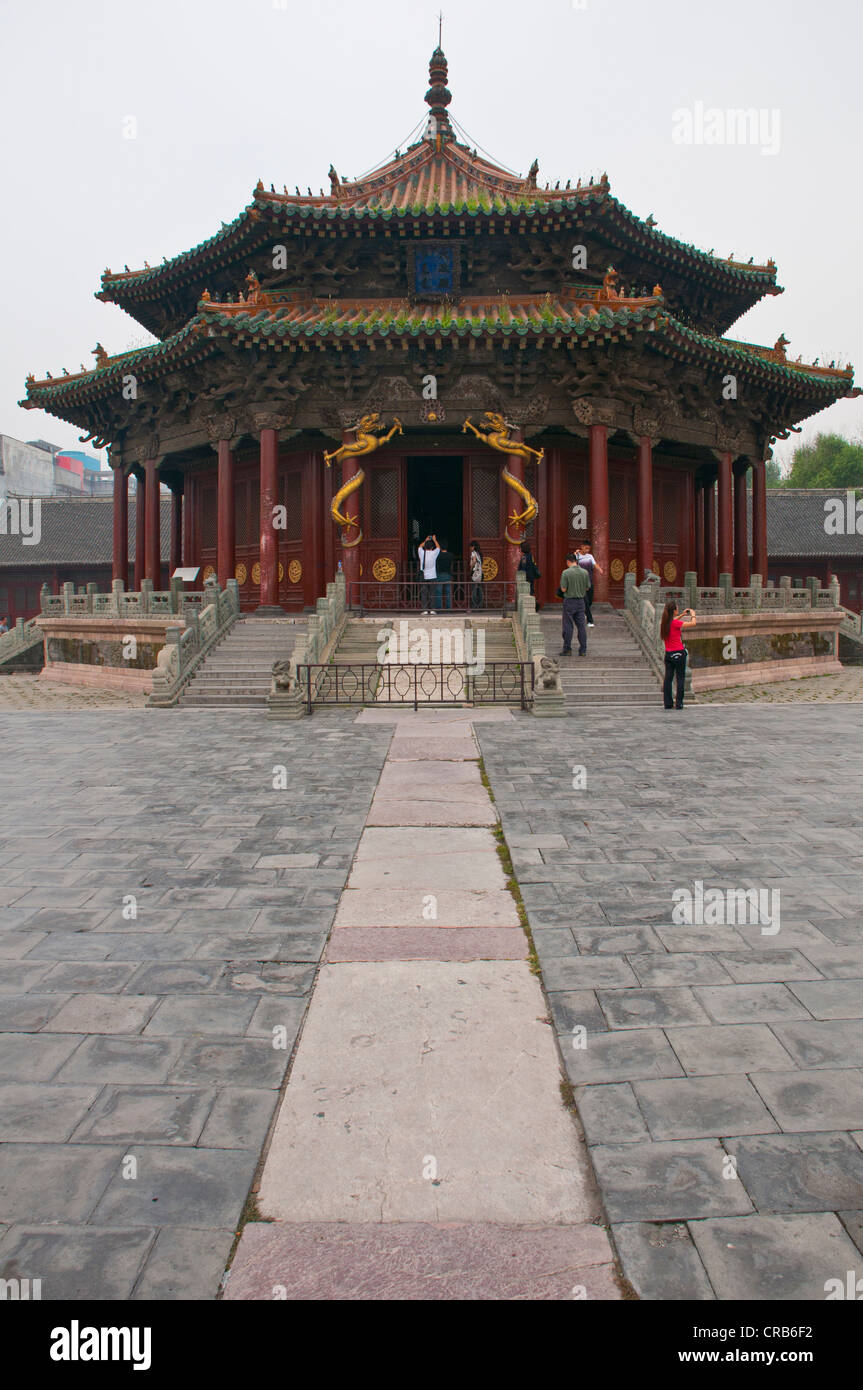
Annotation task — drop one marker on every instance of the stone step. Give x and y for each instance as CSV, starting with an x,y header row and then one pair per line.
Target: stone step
x,y
225,701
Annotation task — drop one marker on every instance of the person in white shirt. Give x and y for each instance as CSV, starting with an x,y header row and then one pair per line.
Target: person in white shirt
x,y
428,553
587,562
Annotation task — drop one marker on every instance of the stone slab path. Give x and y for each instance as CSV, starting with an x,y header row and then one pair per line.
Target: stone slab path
x,y
422,1149
718,1068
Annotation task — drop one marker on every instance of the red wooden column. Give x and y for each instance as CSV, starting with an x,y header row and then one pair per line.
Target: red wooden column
x,y
350,554
598,519
724,508
515,466
644,508
759,518
699,530
188,521
176,526
152,538
140,528
226,542
741,529
711,573
314,582
269,549
120,567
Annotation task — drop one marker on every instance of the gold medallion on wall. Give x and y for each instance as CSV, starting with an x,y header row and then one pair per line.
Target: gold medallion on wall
x,y
384,569
256,572
670,571
241,574
281,571
295,571
617,570
209,573
489,568
632,567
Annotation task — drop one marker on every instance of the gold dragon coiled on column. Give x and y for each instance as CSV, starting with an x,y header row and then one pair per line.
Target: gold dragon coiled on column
x,y
497,434
370,435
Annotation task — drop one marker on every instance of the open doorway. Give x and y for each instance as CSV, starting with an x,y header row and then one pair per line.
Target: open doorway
x,y
435,504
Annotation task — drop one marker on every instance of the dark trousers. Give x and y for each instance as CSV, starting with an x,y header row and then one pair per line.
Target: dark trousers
x,y
588,600
573,612
675,669
428,588
443,591
476,594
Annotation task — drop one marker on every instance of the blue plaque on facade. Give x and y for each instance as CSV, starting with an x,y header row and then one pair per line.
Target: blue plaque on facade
x,y
435,271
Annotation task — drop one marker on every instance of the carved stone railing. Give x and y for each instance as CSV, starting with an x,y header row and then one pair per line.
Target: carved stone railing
x,y
289,698
186,647
644,604
19,639
530,639
121,602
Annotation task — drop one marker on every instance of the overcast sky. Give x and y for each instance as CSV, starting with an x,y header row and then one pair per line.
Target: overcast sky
x,y
226,91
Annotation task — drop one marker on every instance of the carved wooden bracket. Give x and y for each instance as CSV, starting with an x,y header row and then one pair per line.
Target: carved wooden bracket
x,y
220,427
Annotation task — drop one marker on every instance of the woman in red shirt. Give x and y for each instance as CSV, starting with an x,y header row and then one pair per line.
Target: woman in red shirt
x,y
671,632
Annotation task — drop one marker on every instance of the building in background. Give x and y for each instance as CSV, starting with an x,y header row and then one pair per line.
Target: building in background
x,y
40,469
801,539
477,355
75,545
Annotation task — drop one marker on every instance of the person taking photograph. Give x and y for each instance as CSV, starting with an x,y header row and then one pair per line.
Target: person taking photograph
x,y
671,631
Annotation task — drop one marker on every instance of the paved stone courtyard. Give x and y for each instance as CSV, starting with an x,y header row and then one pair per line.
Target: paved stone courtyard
x,y
165,908
719,1082
152,1037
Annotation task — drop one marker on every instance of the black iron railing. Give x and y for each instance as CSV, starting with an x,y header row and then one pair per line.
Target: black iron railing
x,y
412,595
441,683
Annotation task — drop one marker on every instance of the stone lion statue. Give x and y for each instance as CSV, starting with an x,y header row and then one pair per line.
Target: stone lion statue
x,y
548,675
284,677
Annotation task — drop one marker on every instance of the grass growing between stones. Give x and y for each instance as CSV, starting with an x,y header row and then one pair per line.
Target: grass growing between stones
x,y
511,880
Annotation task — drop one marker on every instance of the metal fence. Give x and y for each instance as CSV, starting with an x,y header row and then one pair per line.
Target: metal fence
x,y
412,595
376,683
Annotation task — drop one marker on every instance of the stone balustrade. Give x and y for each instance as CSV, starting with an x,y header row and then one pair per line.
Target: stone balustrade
x,y
744,635
17,645
324,627
185,647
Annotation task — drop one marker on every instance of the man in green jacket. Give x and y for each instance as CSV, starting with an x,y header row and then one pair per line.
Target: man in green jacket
x,y
574,584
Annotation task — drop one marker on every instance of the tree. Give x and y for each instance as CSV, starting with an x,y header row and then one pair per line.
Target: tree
x,y
829,461
774,473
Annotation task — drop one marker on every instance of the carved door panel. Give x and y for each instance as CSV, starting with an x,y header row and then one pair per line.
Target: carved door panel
x,y
382,515
623,527
483,510
292,569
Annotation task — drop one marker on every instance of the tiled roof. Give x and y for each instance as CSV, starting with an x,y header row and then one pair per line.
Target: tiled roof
x,y
79,533
291,319
443,179
795,525
437,189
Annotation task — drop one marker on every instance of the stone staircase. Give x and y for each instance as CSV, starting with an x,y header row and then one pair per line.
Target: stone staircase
x,y
237,672
614,672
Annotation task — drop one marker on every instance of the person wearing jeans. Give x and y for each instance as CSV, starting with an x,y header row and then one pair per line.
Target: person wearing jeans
x,y
587,562
428,553
671,631
574,584
443,588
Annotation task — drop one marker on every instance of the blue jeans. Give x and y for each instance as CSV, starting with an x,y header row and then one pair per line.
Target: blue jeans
x,y
443,589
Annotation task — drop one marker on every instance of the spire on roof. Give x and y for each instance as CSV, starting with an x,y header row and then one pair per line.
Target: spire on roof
x,y
438,97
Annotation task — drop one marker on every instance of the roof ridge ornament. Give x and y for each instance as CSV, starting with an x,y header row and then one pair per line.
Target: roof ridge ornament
x,y
438,98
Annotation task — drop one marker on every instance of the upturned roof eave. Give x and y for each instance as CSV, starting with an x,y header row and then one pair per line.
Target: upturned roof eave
x,y
134,288
208,330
